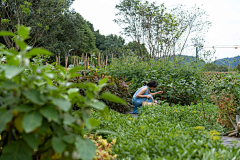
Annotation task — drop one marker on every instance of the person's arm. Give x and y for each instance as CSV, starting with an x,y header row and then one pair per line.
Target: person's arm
x,y
153,94
140,94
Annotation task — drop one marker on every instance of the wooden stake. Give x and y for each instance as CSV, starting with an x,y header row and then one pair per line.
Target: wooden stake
x,y
59,59
56,59
106,62
99,58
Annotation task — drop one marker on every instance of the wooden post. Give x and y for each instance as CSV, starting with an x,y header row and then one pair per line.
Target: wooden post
x,y
87,63
99,62
82,57
56,59
66,60
59,59
106,62
77,61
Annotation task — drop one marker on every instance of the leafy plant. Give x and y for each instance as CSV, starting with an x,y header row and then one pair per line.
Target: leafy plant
x,y
165,132
35,107
115,86
180,81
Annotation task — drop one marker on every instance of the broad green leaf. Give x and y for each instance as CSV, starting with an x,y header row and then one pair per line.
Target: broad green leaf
x,y
68,119
104,80
63,104
37,51
70,139
73,90
18,123
50,113
94,122
34,96
17,150
85,148
98,105
22,45
12,71
31,140
113,98
5,117
9,85
6,33
24,108
31,121
24,32
58,145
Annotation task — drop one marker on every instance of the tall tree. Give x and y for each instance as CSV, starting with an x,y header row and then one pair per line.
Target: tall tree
x,y
37,14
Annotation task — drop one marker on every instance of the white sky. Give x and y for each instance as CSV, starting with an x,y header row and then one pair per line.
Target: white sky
x,y
224,15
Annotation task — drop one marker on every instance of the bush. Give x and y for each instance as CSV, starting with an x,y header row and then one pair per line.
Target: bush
x,y
35,107
226,95
180,82
164,132
115,86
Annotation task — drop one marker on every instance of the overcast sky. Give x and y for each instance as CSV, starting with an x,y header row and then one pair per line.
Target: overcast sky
x,y
224,15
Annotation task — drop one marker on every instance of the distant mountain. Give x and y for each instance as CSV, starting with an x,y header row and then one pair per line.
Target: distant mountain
x,y
233,62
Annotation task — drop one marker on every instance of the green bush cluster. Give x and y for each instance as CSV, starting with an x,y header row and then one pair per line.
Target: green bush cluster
x,y
180,81
36,120
115,86
164,132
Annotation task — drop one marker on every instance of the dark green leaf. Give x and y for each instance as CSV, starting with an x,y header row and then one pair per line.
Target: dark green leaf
x,y
5,117
63,104
85,148
111,97
31,121
17,150
50,113
34,96
12,71
58,145
68,119
8,85
69,138
31,140
24,108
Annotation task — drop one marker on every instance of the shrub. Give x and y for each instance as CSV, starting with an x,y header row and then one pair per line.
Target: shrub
x,y
164,132
180,82
115,86
226,95
35,107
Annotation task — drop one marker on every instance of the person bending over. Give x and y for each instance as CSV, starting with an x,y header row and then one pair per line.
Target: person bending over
x,y
143,94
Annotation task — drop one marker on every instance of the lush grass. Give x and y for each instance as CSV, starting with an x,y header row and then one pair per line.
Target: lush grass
x,y
165,132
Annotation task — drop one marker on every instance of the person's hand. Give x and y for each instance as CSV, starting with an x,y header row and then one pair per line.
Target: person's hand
x,y
148,97
160,92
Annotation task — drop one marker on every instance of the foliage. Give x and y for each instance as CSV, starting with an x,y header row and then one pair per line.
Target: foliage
x,y
104,150
155,134
165,31
40,15
35,107
225,94
115,86
179,81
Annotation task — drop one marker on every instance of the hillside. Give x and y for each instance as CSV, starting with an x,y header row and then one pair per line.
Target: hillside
x,y
228,61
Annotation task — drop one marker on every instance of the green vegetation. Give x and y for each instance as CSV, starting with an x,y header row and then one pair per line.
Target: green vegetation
x,y
164,132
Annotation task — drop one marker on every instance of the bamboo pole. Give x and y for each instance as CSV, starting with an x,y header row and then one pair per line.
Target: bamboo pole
x,y
87,63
